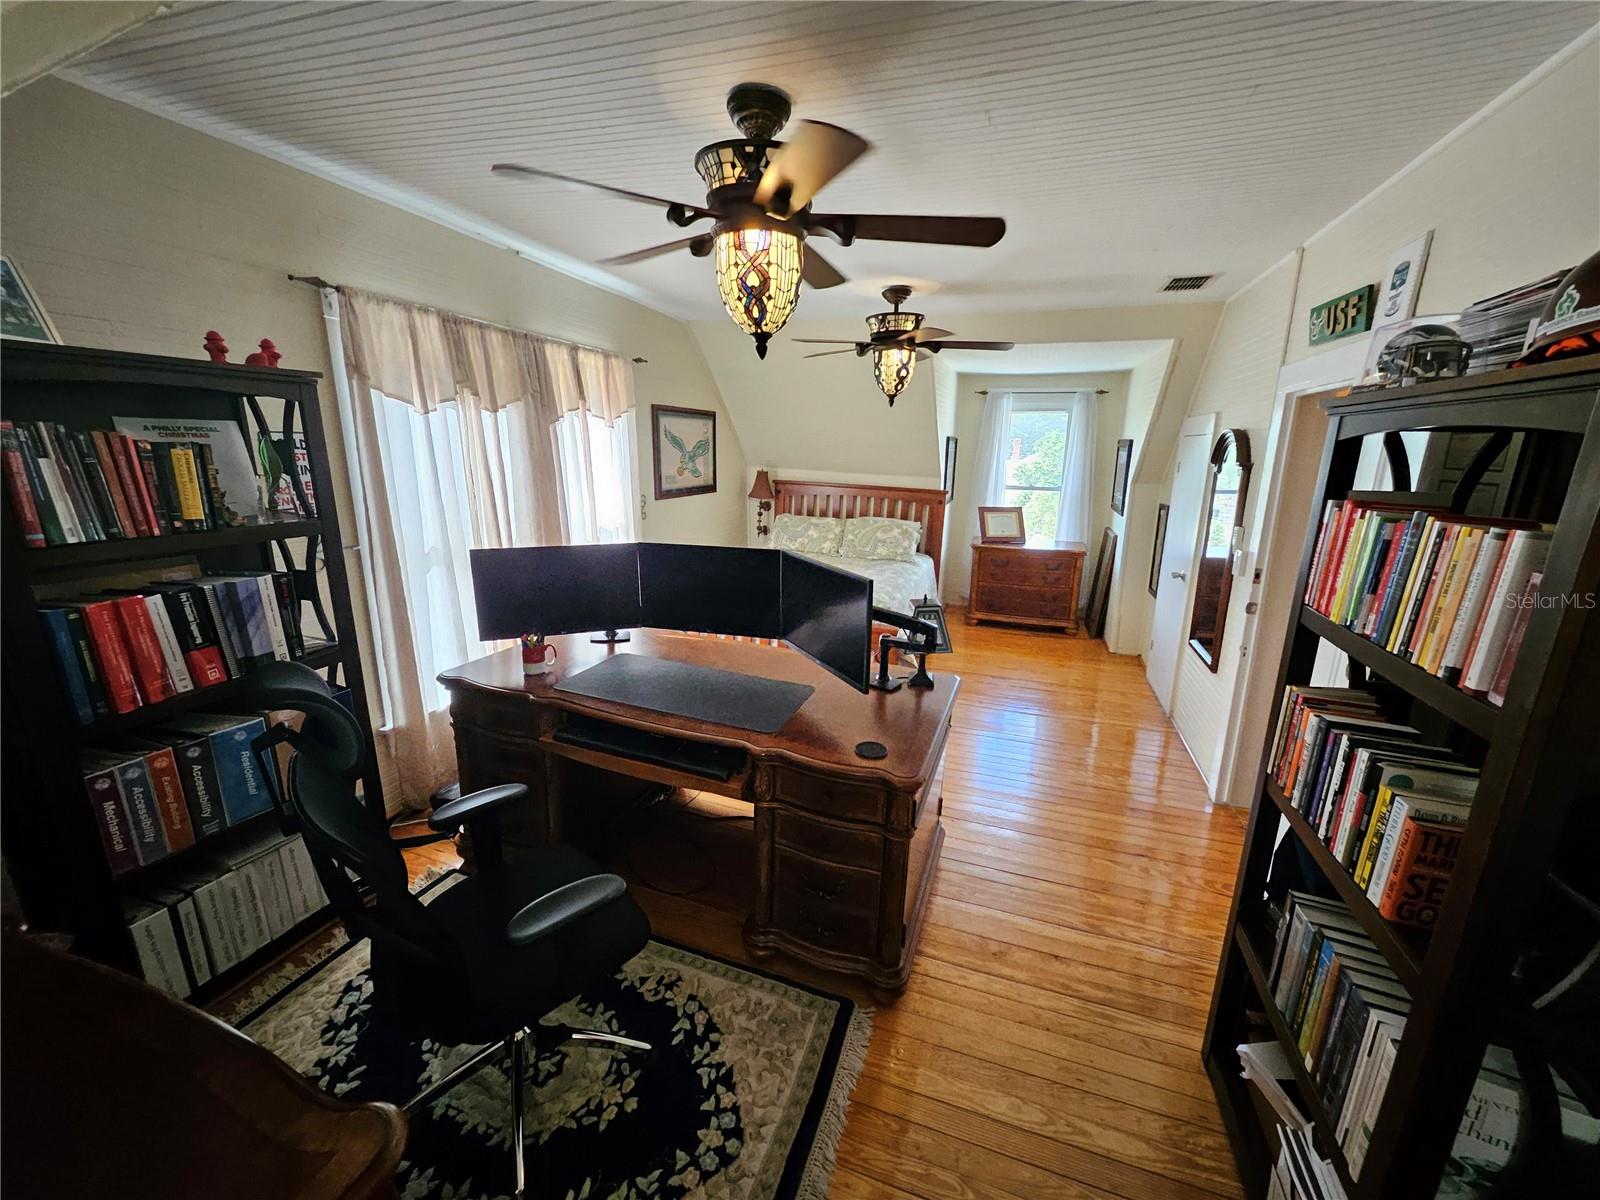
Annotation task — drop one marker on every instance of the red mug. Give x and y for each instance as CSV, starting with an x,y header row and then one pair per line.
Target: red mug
x,y
537,655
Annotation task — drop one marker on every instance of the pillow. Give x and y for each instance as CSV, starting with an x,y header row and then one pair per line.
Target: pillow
x,y
807,535
880,537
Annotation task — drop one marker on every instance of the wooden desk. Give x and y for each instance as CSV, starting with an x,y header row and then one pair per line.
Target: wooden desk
x,y
1026,583
844,847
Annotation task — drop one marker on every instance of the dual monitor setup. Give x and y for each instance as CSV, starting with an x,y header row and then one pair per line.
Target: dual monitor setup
x,y
824,613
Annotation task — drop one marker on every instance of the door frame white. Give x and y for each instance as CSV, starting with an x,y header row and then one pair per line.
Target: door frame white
x,y
1204,425
1294,450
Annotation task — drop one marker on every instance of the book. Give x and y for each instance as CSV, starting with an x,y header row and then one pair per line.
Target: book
x,y
55,484
283,497
212,596
228,447
185,916
20,488
110,813
186,480
1473,597
1501,679
1423,863
244,792
99,489
125,457
167,638
65,457
210,895
166,481
61,640
289,613
43,500
144,649
155,938
196,635
111,653
1525,554
202,788
166,789
115,488
155,494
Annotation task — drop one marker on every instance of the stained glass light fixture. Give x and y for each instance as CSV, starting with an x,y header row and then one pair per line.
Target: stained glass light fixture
x,y
758,274
893,365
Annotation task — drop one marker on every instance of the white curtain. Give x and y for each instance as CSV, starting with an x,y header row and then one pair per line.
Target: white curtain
x,y
993,448
465,435
1074,520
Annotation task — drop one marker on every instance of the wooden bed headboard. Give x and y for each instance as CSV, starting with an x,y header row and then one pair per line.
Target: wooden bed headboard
x,y
922,505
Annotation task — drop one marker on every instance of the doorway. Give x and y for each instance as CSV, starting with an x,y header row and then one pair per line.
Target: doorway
x,y
1174,580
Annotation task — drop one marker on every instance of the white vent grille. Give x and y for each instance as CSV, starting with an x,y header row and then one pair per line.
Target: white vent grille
x,y
1187,283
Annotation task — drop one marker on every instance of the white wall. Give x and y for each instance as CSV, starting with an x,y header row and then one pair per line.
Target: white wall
x,y
1511,195
1129,612
140,234
962,518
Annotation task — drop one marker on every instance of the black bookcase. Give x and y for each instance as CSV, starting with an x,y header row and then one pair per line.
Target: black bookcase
x,y
1539,757
51,843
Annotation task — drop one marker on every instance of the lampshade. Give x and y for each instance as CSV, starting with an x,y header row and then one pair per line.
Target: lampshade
x,y
892,369
762,488
758,274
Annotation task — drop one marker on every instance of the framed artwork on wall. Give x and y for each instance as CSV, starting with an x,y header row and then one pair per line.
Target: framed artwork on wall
x,y
683,450
949,469
996,524
1119,476
21,315
1401,282
1160,545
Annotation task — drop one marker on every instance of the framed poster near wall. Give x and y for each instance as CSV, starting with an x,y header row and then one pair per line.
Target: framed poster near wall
x,y
1161,544
1119,476
683,451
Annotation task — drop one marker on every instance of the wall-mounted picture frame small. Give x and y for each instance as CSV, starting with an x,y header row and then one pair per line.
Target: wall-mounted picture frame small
x,y
949,469
1001,524
22,317
1160,545
1119,476
683,451
930,610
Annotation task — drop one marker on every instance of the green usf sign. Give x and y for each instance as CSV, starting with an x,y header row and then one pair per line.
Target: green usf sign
x,y
1342,316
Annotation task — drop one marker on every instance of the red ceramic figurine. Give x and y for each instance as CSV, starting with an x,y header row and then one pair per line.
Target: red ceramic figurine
x,y
215,347
267,356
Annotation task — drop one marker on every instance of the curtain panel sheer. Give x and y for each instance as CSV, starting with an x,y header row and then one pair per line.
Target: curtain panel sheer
x,y
466,435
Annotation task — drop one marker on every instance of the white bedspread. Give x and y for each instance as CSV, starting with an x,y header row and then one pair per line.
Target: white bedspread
x,y
895,585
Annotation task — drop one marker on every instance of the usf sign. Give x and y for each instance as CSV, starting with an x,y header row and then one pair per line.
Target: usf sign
x,y
1343,315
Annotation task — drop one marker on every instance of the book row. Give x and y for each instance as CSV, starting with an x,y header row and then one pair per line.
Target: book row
x,y
1390,808
169,788
198,925
125,648
1346,1010
1448,593
69,486
1300,1173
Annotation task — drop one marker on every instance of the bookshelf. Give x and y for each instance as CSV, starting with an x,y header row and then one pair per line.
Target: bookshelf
x,y
1538,756
52,844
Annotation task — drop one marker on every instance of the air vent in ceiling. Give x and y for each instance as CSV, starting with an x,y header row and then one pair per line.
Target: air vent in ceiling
x,y
1187,283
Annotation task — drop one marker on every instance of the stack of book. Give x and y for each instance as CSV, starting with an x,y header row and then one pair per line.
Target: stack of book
x,y
1346,1009
1391,808
163,791
1498,326
1300,1172
1448,593
68,486
213,917
122,649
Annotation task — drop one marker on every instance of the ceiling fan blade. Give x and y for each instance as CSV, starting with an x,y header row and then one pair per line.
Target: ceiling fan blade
x,y
944,231
514,170
825,353
938,346
922,354
652,251
797,170
928,332
826,341
818,271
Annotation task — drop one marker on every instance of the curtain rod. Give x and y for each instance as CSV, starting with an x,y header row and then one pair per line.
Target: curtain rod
x,y
1034,391
321,284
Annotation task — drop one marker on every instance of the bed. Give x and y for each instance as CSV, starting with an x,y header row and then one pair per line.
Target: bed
x,y
896,585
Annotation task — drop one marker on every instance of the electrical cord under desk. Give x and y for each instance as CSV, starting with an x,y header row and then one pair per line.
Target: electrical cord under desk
x,y
649,801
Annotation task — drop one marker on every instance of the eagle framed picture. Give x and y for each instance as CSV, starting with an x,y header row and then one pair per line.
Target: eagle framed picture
x,y
685,451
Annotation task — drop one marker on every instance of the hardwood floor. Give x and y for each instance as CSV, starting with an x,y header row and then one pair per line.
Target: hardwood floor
x,y
1048,1044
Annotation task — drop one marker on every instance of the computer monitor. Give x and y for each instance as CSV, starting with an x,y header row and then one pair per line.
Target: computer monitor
x,y
556,589
827,616
710,589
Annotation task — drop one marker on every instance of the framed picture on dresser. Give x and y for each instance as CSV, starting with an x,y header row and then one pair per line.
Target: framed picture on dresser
x,y
683,451
1001,524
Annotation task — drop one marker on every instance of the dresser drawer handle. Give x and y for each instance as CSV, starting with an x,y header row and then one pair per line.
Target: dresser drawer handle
x,y
817,927
825,893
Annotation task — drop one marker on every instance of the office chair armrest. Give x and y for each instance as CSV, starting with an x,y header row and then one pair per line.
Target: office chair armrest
x,y
558,909
448,818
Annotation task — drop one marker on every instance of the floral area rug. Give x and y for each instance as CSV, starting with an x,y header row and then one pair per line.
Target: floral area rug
x,y
743,1097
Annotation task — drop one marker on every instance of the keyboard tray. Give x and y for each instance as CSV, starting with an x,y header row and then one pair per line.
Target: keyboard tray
x,y
721,763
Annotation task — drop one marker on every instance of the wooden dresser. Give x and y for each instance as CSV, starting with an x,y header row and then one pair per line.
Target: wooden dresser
x,y
1026,583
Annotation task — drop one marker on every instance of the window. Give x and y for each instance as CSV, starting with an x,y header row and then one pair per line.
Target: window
x,y
1036,460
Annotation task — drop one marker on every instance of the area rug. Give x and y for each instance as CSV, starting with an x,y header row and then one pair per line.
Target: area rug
x,y
743,1098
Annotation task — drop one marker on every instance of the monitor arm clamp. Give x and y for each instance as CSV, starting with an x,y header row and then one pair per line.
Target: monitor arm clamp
x,y
921,642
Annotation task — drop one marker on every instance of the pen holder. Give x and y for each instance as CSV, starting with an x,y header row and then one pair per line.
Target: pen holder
x,y
537,655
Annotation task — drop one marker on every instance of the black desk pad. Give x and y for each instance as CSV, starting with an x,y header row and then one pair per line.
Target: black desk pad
x,y
707,694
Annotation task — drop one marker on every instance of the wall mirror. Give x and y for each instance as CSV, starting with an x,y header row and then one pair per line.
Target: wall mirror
x,y
1224,536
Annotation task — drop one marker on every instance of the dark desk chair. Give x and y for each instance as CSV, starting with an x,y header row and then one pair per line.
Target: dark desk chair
x,y
489,956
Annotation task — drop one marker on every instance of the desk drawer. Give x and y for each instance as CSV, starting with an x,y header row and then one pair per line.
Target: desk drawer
x,y
830,797
1024,601
1035,568
829,906
852,847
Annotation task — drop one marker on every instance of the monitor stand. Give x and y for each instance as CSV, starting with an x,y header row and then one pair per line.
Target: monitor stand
x,y
612,636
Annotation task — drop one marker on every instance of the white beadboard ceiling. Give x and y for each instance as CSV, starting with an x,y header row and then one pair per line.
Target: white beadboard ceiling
x,y
1124,143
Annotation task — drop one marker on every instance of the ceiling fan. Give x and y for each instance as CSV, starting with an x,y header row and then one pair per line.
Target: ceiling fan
x,y
897,340
759,195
